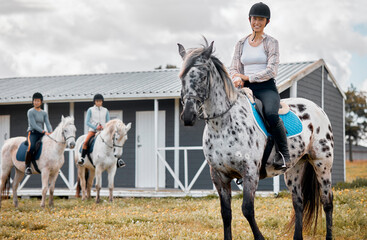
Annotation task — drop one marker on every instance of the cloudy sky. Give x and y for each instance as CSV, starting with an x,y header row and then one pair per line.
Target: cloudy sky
x,y
64,37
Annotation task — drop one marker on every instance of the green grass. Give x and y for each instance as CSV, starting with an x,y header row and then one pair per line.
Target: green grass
x,y
172,218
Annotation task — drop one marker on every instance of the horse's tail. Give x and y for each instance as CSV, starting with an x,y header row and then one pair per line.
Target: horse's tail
x,y
6,188
311,199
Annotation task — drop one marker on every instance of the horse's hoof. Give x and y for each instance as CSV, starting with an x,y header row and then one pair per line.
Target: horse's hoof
x,y
97,200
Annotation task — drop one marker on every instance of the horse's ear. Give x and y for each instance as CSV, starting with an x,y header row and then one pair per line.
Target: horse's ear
x,y
181,50
128,126
62,118
208,51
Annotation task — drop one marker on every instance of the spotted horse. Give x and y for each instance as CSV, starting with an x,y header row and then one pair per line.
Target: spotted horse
x,y
234,144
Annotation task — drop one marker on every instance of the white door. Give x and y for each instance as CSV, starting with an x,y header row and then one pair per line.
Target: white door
x,y
145,152
4,130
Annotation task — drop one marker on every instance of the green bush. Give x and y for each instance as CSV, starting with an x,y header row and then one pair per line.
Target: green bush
x,y
359,182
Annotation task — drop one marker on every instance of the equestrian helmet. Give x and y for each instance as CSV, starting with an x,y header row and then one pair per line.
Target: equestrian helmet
x,y
98,97
37,95
260,10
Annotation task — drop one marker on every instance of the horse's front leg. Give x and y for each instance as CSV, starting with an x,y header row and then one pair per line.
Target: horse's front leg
x,y
17,178
111,176
223,186
45,175
98,182
53,178
250,183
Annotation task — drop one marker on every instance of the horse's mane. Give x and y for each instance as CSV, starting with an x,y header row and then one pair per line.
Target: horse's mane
x,y
192,56
112,122
67,120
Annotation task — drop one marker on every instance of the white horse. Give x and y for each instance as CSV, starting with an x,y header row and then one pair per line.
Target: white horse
x,y
49,163
107,148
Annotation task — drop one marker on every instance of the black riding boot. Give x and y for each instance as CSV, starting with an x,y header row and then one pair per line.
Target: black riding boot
x,y
28,159
120,163
282,156
81,160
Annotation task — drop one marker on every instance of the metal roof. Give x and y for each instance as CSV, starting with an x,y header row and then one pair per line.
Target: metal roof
x,y
161,84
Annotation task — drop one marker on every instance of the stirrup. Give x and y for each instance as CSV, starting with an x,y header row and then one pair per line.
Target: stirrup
x,y
278,166
81,162
28,171
120,163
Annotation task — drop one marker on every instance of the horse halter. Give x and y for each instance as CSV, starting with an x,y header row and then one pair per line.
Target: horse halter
x,y
202,100
113,141
63,135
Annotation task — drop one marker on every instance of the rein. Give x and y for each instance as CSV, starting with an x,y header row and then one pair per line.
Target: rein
x,y
202,100
113,141
56,141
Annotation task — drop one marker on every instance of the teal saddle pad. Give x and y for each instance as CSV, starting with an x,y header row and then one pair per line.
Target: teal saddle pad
x,y
22,150
291,122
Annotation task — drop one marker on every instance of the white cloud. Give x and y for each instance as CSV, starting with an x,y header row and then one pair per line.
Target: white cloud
x,y
72,37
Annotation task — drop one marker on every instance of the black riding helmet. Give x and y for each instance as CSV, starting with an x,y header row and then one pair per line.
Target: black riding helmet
x,y
98,97
37,95
259,10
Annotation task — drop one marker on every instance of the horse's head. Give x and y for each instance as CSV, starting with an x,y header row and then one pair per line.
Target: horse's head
x,y
68,131
195,81
120,137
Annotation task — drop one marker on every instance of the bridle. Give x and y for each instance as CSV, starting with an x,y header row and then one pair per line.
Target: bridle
x,y
63,135
114,145
202,100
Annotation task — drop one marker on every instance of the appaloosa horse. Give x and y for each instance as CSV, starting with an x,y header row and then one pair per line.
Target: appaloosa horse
x,y
233,144
49,162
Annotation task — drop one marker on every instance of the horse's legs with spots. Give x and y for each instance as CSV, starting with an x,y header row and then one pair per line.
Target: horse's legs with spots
x,y
323,174
45,175
111,175
90,182
98,182
293,178
249,189
53,178
223,186
17,178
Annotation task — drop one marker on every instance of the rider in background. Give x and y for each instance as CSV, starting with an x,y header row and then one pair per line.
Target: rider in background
x,y
97,117
255,65
36,120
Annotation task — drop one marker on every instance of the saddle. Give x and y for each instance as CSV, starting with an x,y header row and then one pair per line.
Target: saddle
x,y
291,122
90,148
22,151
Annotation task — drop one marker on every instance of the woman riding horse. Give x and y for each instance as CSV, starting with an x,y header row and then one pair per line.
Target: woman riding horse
x,y
36,120
255,65
97,117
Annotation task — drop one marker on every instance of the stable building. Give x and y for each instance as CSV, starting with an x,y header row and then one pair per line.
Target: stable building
x,y
160,153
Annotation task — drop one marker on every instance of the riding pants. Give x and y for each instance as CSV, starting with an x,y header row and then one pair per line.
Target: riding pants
x,y
33,137
267,92
86,140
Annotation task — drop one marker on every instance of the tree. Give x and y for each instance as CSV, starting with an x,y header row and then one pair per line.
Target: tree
x,y
355,117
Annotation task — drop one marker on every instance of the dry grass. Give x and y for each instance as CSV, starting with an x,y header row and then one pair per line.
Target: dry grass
x,y
356,169
170,218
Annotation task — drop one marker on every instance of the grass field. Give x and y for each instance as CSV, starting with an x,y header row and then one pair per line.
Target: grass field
x,y
170,218
176,218
356,169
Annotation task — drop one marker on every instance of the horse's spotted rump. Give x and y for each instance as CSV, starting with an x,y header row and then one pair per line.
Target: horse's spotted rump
x,y
301,107
318,130
305,116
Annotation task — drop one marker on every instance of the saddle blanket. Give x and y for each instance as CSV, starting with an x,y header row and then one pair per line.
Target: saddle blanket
x,y
22,150
291,122
90,145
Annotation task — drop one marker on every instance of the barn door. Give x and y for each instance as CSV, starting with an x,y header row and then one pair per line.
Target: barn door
x,y
145,152
4,130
